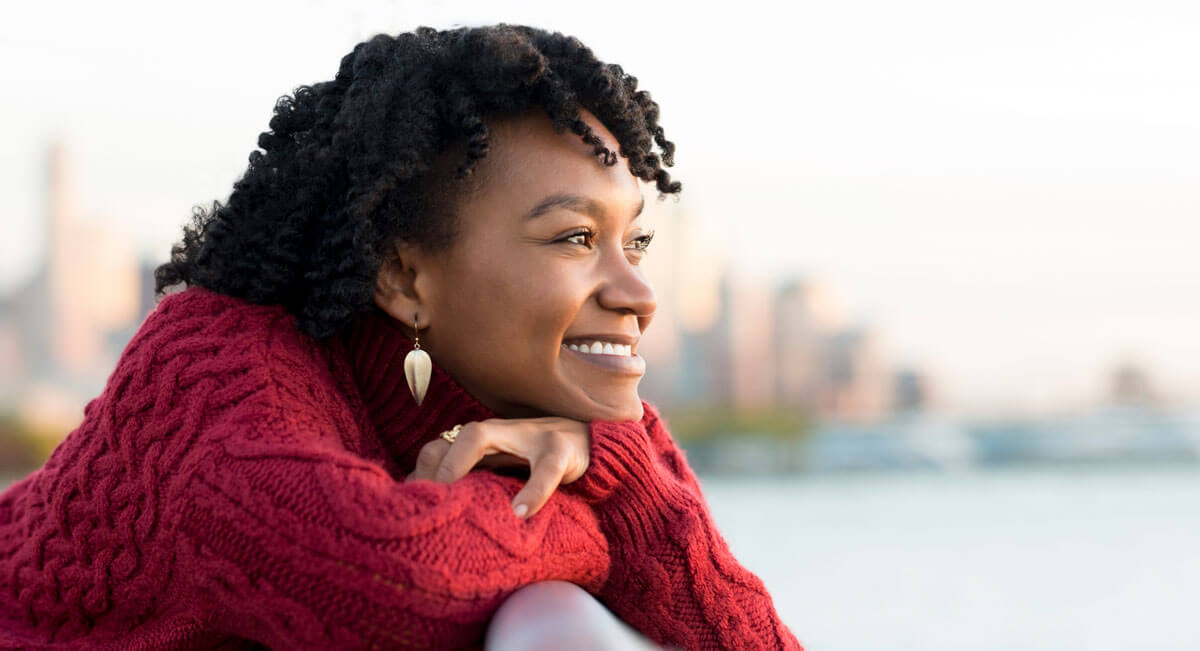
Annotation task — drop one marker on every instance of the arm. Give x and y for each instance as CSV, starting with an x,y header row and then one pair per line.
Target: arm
x,y
309,546
672,575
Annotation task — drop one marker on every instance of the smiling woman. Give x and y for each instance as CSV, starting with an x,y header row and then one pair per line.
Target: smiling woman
x,y
260,468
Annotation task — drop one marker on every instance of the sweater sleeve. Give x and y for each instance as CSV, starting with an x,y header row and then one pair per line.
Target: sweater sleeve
x,y
672,575
313,547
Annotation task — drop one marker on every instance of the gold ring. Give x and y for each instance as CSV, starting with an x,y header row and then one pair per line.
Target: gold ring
x,y
452,433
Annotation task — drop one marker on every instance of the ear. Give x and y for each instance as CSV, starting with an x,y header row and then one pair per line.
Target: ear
x,y
404,286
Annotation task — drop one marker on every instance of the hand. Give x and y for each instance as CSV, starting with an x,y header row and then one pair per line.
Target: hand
x,y
555,450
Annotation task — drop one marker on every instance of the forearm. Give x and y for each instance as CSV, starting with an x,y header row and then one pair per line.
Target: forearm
x,y
318,552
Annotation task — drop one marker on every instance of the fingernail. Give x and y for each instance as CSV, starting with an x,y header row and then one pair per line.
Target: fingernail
x,y
521,510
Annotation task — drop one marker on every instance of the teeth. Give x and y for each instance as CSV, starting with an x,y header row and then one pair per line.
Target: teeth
x,y
602,348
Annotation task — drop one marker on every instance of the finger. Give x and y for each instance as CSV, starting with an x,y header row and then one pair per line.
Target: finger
x,y
544,478
429,458
468,448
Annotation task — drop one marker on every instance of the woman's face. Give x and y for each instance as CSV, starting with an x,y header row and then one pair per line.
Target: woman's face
x,y
547,256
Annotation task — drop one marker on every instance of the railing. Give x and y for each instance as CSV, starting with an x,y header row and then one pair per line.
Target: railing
x,y
559,615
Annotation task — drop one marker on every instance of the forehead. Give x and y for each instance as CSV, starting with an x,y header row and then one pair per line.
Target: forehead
x,y
528,160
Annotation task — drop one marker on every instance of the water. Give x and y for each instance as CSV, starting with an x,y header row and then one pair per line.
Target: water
x,y
1016,559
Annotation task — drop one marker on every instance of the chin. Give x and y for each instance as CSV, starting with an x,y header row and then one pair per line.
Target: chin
x,y
627,410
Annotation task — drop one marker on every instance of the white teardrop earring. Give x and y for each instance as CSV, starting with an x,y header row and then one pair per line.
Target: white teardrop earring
x,y
417,367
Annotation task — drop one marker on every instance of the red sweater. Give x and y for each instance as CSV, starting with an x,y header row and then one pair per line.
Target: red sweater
x,y
238,480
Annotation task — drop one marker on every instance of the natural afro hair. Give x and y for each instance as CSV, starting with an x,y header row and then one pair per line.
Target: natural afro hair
x,y
347,167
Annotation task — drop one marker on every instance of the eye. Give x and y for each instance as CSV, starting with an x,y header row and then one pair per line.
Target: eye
x,y
585,236
641,243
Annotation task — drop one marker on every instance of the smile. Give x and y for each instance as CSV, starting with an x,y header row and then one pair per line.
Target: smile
x,y
601,348
611,357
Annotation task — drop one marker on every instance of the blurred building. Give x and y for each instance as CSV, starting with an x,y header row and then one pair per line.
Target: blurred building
x,y
722,338
912,392
857,386
807,315
730,362
63,330
1131,386
751,329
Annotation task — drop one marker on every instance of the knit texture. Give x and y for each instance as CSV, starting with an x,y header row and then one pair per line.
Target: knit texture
x,y
240,483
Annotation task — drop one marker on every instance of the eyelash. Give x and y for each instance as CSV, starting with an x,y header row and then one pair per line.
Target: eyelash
x,y
590,234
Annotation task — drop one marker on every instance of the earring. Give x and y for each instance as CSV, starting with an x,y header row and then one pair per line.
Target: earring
x,y
417,367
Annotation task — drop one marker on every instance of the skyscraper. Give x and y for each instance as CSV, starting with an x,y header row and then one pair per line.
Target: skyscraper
x,y
85,288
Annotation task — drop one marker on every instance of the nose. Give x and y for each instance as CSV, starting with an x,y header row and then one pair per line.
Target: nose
x,y
624,288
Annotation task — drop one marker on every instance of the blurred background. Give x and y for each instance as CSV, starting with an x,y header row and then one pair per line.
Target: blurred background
x,y
929,301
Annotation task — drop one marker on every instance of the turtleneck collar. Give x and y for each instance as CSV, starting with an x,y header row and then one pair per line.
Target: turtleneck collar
x,y
376,346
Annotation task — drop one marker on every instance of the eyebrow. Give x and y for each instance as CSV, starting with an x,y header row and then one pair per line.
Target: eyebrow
x,y
574,202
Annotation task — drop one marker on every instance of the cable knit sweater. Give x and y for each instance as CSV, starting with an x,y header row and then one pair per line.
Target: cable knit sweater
x,y
239,482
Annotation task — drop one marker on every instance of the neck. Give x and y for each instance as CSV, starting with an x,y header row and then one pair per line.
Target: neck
x,y
376,346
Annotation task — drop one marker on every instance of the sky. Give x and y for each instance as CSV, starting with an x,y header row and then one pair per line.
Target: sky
x,y
1007,192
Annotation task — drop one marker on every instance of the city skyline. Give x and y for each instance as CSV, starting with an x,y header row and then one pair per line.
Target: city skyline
x,y
718,340
1007,196
717,343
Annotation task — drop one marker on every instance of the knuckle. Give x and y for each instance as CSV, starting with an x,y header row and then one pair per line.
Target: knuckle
x,y
556,440
555,462
429,454
472,433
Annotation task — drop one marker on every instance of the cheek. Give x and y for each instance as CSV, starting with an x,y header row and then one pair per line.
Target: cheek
x,y
509,320
557,308
533,311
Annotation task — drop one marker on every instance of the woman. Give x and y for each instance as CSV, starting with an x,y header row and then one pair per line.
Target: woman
x,y
263,468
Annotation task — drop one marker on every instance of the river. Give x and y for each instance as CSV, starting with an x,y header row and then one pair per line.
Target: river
x,y
1045,558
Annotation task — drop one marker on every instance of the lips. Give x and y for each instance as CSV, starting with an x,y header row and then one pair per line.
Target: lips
x,y
616,339
632,364
597,347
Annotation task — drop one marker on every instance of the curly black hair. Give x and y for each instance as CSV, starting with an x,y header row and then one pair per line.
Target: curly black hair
x,y
348,166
